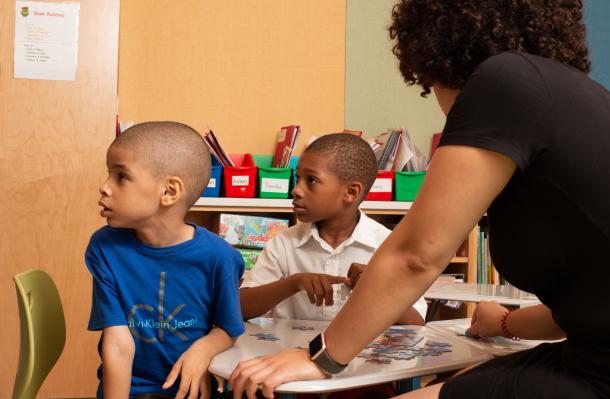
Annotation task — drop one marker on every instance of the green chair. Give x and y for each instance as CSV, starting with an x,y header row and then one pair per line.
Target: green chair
x,y
42,331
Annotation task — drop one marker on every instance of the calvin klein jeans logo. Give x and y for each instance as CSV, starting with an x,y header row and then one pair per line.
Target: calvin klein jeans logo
x,y
163,323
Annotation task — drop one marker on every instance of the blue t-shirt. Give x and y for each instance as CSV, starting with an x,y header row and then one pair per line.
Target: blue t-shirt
x,y
168,297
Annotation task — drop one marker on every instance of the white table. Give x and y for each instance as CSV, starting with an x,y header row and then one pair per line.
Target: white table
x,y
360,372
498,346
470,292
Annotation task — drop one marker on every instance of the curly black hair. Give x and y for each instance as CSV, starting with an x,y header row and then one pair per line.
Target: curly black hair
x,y
442,41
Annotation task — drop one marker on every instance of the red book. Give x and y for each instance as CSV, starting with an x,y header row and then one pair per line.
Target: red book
x,y
216,149
286,140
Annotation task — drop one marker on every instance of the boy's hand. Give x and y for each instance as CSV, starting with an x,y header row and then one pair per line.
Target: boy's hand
x,y
192,367
354,272
319,287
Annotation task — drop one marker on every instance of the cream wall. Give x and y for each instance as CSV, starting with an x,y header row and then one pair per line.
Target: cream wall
x,y
244,68
376,97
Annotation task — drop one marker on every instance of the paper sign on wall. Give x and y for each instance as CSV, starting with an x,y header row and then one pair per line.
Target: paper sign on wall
x,y
46,40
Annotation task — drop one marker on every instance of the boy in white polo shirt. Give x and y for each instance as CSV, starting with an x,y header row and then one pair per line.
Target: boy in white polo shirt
x,y
305,271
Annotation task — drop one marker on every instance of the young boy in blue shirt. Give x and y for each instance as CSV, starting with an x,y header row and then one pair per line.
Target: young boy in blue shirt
x,y
165,292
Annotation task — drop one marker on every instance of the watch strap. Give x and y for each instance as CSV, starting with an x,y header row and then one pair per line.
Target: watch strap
x,y
326,362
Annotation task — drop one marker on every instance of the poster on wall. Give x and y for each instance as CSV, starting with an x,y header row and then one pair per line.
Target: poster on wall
x,y
46,40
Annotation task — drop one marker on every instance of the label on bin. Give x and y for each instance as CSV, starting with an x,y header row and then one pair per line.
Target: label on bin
x,y
382,186
212,183
274,185
240,180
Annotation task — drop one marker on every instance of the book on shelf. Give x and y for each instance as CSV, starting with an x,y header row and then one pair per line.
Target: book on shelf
x,y
395,150
286,141
385,158
384,146
216,149
249,231
486,270
409,157
250,256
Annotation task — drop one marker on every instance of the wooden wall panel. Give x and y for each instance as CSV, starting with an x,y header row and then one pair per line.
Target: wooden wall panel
x,y
53,139
245,68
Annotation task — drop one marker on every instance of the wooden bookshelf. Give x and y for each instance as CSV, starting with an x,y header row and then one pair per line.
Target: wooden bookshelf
x,y
206,210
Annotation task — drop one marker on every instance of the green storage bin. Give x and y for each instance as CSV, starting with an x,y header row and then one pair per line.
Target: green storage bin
x,y
294,161
407,184
272,182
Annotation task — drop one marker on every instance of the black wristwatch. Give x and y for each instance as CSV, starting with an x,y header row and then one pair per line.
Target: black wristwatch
x,y
319,355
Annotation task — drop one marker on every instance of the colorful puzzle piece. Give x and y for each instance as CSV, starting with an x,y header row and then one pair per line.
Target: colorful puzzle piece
x,y
302,328
265,337
401,344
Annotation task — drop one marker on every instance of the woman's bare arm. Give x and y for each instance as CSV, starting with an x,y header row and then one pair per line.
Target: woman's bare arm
x,y
460,185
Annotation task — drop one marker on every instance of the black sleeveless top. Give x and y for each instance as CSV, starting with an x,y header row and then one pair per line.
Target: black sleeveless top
x,y
550,226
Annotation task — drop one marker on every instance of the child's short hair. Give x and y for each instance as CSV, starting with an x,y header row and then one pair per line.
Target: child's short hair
x,y
171,149
354,160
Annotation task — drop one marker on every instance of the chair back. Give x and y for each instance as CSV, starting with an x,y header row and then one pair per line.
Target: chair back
x,y
42,331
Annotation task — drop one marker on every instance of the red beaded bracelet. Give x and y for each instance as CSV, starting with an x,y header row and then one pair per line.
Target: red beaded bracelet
x,y
505,331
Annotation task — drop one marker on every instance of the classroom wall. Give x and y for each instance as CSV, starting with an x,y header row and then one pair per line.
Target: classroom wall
x,y
242,68
597,17
52,158
376,97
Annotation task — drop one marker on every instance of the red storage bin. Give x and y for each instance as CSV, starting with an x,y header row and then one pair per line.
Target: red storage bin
x,y
240,180
382,187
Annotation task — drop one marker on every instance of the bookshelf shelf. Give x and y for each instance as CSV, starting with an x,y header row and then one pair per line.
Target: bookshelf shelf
x,y
266,205
222,204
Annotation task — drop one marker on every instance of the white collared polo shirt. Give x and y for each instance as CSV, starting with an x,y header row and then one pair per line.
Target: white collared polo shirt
x,y
300,249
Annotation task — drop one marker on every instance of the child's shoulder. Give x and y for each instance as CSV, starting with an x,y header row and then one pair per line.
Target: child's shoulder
x,y
371,231
372,223
213,243
294,233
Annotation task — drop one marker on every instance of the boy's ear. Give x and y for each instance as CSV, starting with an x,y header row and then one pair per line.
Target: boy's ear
x,y
173,191
354,191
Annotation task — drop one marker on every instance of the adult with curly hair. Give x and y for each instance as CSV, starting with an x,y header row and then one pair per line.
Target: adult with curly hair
x,y
526,140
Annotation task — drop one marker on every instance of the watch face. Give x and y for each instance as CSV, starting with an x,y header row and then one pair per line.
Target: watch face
x,y
316,346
